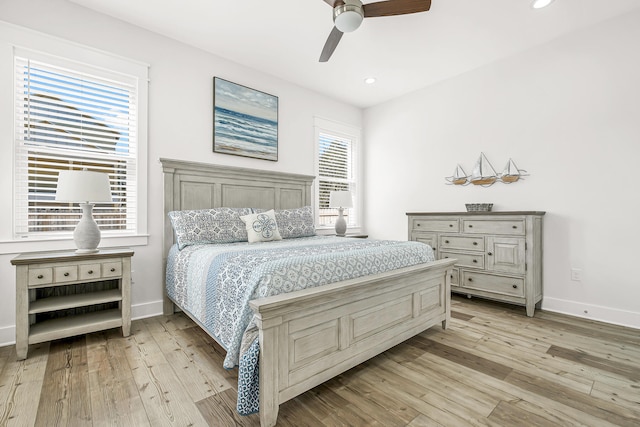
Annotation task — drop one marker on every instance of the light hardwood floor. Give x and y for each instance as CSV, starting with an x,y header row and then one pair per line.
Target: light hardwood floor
x,y
494,366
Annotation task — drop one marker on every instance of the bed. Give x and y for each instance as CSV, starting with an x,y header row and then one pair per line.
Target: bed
x,y
308,336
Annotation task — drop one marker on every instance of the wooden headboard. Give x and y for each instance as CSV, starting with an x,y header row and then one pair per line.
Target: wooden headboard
x,y
193,185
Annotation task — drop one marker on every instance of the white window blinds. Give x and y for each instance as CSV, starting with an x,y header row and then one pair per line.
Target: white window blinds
x,y
336,172
73,117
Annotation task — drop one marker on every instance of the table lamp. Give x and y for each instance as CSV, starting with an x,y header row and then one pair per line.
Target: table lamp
x,y
340,200
86,188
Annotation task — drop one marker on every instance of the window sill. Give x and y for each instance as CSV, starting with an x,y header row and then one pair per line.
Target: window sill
x,y
54,244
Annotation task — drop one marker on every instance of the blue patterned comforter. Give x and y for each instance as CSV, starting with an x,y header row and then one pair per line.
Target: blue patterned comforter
x,y
214,283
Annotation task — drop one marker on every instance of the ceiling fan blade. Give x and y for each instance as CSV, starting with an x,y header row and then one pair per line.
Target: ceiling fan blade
x,y
395,7
330,45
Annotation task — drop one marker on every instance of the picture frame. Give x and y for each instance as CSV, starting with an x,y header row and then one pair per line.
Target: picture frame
x,y
245,121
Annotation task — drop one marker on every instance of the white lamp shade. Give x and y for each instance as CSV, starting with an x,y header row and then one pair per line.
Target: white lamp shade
x,y
83,186
340,199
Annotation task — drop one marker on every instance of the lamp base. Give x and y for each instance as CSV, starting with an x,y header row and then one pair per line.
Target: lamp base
x,y
87,234
341,224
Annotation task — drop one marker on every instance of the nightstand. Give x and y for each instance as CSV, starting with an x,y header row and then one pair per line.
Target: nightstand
x,y
62,294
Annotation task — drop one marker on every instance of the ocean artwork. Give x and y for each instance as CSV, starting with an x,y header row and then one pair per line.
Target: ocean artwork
x,y
245,121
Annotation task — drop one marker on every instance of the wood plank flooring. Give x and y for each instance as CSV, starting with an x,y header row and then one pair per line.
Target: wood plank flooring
x,y
493,367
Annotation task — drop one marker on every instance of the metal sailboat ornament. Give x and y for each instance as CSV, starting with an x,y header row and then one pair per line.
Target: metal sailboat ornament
x,y
511,173
483,173
459,177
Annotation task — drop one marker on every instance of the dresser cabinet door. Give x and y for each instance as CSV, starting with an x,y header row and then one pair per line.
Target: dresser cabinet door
x,y
430,239
506,254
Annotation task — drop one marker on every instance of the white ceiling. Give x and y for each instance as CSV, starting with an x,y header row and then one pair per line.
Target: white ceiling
x,y
404,53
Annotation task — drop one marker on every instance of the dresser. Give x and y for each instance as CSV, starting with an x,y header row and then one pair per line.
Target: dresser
x,y
499,254
61,294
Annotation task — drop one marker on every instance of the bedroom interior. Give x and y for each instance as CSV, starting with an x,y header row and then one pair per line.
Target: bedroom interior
x,y
555,89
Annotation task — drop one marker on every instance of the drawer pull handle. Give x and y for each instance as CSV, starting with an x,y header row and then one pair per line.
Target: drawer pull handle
x,y
475,260
418,225
66,274
90,271
451,225
475,243
470,279
515,226
489,253
515,286
446,241
40,276
470,226
113,269
446,257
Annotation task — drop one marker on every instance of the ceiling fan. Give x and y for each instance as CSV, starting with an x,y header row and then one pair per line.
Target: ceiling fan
x,y
348,15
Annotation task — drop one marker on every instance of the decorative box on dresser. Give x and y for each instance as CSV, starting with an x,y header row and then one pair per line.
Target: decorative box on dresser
x,y
499,254
61,294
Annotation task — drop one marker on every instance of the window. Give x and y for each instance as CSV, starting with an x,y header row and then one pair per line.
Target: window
x,y
337,170
71,115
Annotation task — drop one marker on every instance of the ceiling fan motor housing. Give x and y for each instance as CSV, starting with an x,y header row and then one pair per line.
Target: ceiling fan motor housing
x,y
347,17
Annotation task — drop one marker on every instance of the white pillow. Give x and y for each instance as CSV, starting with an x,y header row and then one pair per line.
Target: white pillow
x,y
261,227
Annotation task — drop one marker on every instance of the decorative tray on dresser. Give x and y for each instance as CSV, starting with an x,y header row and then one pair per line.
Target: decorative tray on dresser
x,y
499,254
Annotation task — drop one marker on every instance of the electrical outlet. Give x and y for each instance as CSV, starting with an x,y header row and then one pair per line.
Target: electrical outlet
x,y
576,274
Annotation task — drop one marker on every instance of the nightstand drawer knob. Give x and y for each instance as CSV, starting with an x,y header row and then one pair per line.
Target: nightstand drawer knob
x,y
470,279
112,269
90,271
470,226
489,253
515,286
475,243
475,260
446,241
40,276
451,225
515,226
66,274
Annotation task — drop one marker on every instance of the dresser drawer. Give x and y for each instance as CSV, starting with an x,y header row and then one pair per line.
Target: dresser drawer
x,y
480,226
462,243
499,284
90,271
65,273
112,269
40,276
465,260
427,224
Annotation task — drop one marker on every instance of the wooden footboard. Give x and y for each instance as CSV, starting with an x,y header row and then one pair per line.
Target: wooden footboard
x,y
310,336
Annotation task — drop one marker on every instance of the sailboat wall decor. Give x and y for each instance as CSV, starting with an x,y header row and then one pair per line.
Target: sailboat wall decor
x,y
485,175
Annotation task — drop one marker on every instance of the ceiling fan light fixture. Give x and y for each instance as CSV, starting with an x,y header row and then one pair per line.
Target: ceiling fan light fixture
x,y
348,17
539,4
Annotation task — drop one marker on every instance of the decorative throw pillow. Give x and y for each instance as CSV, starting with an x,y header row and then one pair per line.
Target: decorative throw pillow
x,y
261,227
218,225
295,222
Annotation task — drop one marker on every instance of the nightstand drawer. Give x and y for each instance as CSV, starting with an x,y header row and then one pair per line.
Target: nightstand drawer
x,y
89,271
40,276
112,269
479,226
500,284
424,224
462,243
465,260
65,273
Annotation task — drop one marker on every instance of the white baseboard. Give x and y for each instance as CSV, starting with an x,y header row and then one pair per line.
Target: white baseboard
x,y
138,311
614,316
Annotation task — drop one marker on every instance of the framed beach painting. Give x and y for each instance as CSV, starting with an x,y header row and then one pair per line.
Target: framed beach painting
x,y
245,121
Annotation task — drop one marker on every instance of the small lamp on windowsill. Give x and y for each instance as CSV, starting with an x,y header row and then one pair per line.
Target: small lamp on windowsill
x,y
87,188
340,200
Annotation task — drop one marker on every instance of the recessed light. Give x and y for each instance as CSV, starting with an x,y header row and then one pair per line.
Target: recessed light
x,y
370,80
539,4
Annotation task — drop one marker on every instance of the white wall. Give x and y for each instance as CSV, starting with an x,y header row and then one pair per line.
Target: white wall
x,y
180,123
569,113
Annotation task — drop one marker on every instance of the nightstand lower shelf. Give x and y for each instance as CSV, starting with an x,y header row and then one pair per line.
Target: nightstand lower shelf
x,y
62,327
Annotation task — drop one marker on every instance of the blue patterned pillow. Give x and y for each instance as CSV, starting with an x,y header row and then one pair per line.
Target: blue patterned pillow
x,y
218,225
261,227
295,222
